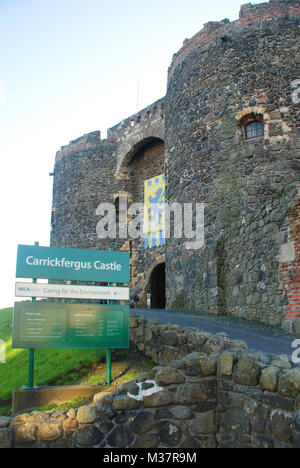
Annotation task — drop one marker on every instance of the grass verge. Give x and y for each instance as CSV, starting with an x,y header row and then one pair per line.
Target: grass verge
x,y
50,364
63,366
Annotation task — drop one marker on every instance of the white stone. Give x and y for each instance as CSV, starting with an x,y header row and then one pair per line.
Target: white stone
x,y
287,253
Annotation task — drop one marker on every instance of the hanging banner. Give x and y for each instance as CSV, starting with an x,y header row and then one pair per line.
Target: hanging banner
x,y
154,211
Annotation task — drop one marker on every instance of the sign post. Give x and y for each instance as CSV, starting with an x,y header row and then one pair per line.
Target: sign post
x,y
31,350
72,326
30,368
60,325
108,366
71,291
58,263
108,351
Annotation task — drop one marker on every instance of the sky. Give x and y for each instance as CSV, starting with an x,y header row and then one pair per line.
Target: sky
x,y
70,67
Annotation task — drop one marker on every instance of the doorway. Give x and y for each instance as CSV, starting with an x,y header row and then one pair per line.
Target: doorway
x,y
158,287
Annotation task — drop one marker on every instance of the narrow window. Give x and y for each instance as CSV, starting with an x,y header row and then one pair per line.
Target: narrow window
x,y
254,129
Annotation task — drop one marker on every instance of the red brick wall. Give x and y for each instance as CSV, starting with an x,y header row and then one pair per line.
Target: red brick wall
x,y
290,272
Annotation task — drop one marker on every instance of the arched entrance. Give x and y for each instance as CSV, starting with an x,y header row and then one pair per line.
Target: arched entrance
x,y
158,287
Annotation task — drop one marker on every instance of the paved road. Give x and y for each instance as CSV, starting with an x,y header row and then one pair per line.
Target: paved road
x,y
258,337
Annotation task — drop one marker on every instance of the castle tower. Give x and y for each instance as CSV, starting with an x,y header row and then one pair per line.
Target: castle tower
x,y
232,142
227,136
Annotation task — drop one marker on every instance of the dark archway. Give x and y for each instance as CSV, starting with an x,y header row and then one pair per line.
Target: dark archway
x,y
158,287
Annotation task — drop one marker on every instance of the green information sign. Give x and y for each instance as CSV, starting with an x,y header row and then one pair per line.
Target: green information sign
x,y
59,263
41,325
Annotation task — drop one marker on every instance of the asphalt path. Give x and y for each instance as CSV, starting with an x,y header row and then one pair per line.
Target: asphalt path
x,y
258,338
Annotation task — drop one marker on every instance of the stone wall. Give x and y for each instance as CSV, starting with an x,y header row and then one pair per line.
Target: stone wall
x,y
248,186
248,14
224,76
90,171
81,168
205,392
132,133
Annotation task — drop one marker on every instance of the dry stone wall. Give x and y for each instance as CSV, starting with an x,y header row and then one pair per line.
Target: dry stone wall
x,y
205,392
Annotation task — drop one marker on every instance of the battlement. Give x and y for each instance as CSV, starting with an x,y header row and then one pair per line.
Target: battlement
x,y
135,122
249,13
126,130
268,10
85,142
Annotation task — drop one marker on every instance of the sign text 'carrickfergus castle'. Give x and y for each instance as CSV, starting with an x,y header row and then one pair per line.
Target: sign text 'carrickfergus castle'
x,y
226,137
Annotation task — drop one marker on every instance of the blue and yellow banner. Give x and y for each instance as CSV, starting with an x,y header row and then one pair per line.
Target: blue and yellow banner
x,y
154,211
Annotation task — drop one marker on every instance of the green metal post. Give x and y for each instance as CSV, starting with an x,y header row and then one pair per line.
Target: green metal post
x,y
108,351
108,366
30,368
31,350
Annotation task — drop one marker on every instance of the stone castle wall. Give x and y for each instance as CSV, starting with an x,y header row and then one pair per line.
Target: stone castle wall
x,y
76,193
226,75
290,266
206,392
248,14
241,70
90,171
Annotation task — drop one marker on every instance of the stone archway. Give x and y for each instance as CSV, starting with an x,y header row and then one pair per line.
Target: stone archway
x,y
125,160
157,285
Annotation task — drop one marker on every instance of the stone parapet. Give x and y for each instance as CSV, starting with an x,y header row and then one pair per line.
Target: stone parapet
x,y
206,392
248,14
86,142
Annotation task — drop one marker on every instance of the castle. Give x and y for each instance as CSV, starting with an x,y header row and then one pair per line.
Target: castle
x,y
227,134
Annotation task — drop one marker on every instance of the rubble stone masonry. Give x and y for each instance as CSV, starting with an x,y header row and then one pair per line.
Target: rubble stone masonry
x,y
204,392
226,76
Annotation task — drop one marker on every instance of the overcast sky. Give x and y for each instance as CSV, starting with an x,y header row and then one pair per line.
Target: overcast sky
x,y
69,67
